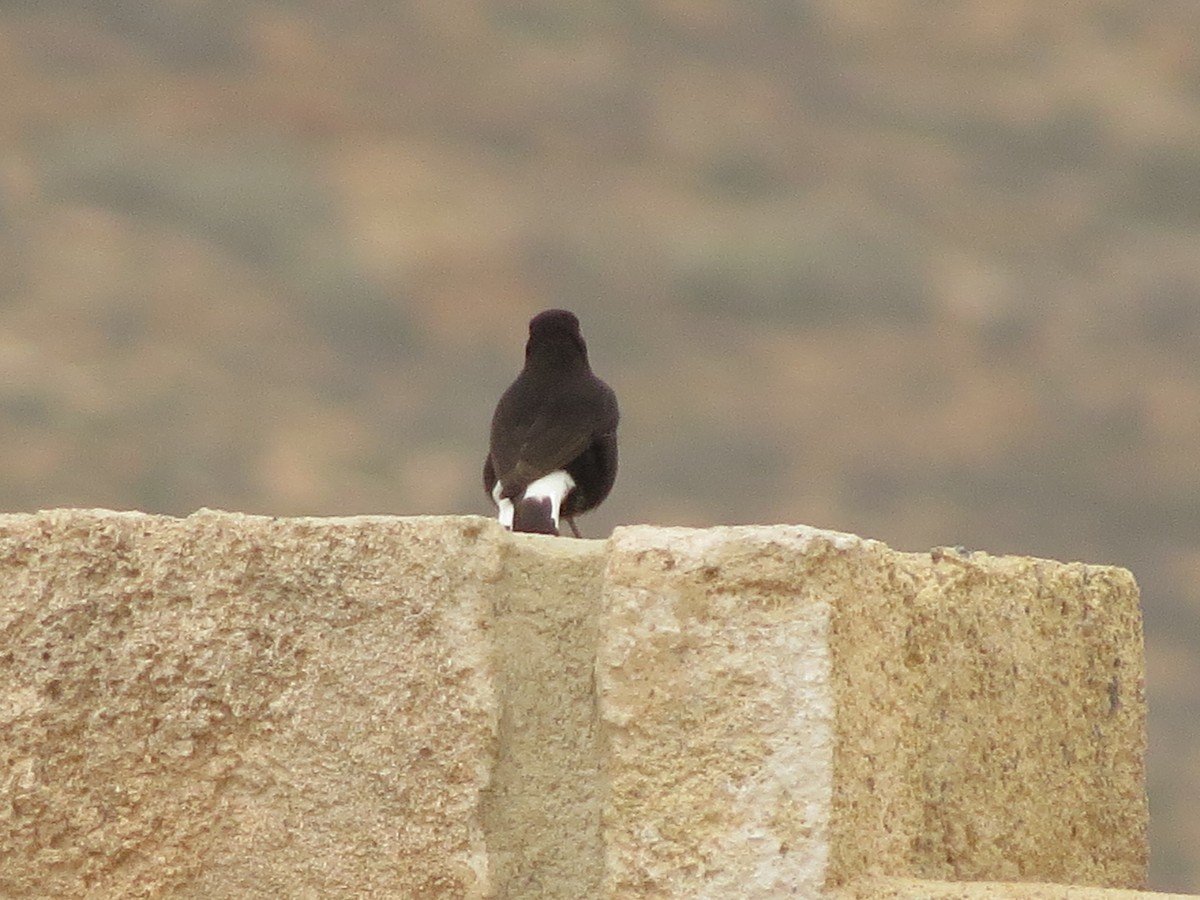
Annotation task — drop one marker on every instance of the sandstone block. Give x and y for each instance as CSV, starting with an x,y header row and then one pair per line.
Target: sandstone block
x,y
542,810
786,708
229,705
991,718
233,706
717,708
916,889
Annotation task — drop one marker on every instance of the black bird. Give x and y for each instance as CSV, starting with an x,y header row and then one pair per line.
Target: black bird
x,y
554,433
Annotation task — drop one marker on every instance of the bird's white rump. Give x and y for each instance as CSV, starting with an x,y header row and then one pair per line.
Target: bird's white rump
x,y
553,487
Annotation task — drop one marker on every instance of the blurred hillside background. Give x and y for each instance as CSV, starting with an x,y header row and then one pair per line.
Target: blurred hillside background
x,y
928,272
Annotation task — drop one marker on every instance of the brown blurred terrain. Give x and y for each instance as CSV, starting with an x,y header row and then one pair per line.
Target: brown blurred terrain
x,y
926,272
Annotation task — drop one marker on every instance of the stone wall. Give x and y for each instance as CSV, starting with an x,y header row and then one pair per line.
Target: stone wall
x,y
235,706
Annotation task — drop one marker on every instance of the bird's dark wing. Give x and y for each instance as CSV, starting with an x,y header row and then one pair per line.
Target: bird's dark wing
x,y
550,446
563,429
489,474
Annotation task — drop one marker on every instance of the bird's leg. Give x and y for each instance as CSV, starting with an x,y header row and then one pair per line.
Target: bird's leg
x,y
574,529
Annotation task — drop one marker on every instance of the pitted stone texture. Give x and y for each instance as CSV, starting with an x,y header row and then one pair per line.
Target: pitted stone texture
x,y
717,709
542,810
988,715
228,705
912,889
991,719
235,706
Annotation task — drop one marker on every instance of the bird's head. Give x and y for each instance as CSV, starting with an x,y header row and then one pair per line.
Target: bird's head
x,y
555,333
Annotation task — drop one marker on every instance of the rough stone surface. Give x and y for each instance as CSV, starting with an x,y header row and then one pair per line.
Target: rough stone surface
x,y
231,706
236,706
991,719
542,812
914,889
988,714
714,684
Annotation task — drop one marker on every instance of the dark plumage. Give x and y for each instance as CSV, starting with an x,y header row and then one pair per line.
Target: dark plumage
x,y
553,450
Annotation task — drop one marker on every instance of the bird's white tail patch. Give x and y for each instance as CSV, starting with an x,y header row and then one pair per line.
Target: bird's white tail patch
x,y
553,487
505,505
